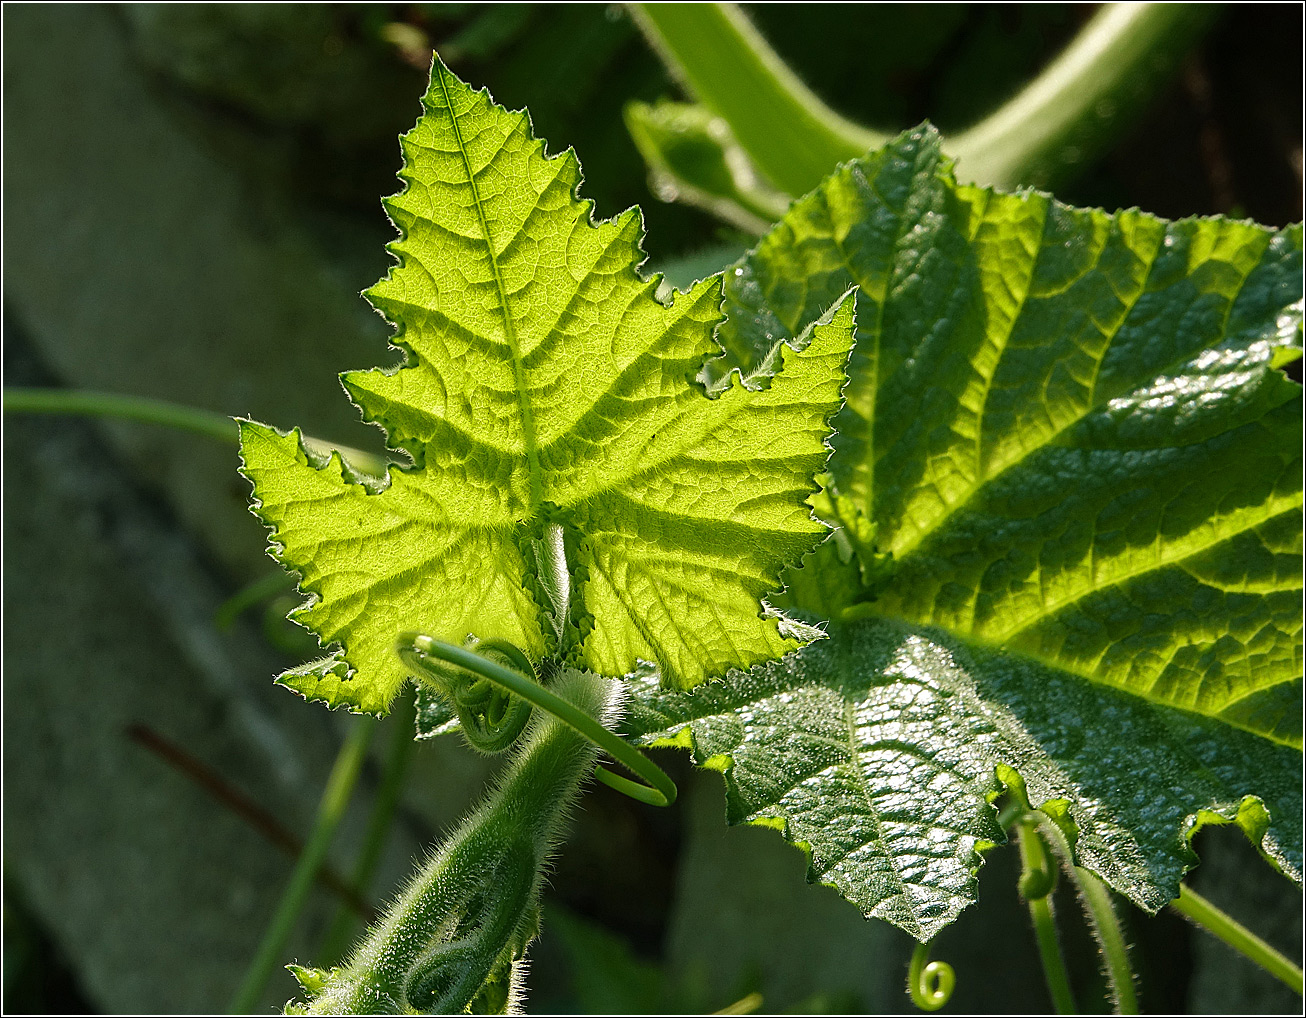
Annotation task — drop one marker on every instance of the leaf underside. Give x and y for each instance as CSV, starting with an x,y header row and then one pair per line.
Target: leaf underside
x,y
546,389
1069,431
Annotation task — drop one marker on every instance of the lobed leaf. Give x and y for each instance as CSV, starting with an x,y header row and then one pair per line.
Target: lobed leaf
x,y
547,397
1065,426
1068,481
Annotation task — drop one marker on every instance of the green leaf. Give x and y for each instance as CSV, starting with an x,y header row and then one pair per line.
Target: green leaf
x,y
1068,431
1065,426
547,400
879,751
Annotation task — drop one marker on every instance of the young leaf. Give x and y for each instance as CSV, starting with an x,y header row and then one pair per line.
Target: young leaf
x,y
1068,430
548,402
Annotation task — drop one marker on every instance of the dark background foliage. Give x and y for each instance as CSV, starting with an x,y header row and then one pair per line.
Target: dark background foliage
x,y
191,206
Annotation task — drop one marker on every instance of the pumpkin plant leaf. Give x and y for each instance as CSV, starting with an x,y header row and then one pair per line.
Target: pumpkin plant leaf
x,y
1068,458
547,399
880,750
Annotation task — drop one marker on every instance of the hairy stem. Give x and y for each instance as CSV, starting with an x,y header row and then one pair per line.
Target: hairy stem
x,y
1101,914
1197,909
339,787
1037,880
458,930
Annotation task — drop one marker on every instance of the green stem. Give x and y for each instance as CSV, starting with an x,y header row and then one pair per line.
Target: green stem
x,y
339,787
1101,914
660,790
1115,63
208,423
744,1005
1107,72
130,408
792,137
397,759
1098,908
1200,911
251,594
452,940
1037,874
929,983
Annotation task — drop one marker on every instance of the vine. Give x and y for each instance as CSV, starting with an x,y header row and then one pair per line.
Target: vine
x,y
457,938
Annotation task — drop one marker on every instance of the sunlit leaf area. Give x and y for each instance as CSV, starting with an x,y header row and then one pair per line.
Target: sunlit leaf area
x,y
866,436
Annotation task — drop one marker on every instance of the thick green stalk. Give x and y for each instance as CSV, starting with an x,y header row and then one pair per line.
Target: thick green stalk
x,y
339,787
1200,911
1037,880
792,138
456,934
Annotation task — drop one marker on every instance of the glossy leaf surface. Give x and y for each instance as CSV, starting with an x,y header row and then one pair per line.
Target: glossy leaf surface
x,y
880,749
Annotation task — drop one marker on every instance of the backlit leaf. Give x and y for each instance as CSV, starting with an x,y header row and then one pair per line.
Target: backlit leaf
x,y
548,402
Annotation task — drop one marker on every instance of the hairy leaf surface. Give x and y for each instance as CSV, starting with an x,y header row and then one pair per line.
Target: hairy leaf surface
x,y
880,749
547,401
1067,459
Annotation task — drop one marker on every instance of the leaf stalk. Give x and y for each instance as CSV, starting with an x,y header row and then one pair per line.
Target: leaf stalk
x,y
1037,881
1198,910
1096,899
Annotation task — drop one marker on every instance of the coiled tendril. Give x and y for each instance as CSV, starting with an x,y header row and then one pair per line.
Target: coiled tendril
x,y
431,659
930,983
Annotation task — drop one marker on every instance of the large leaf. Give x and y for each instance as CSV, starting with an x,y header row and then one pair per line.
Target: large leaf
x,y
1065,426
1068,431
547,400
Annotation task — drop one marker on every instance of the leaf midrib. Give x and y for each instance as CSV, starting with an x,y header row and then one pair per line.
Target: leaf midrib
x,y
509,327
